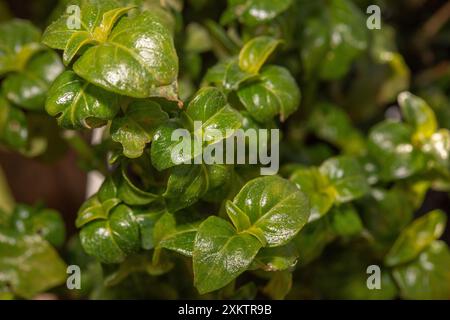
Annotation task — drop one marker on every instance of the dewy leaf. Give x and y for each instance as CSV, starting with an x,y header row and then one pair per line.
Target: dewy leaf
x,y
416,237
112,239
428,276
255,53
28,87
29,265
13,126
390,145
418,114
275,93
346,176
221,254
79,104
254,12
275,208
318,189
138,59
136,128
19,42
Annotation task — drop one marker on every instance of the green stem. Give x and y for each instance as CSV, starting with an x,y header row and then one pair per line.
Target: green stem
x,y
7,202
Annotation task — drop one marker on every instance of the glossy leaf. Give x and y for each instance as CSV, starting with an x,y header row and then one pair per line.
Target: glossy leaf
x,y
28,87
346,176
428,276
79,104
13,126
221,254
271,208
254,12
416,237
418,114
20,41
255,53
136,128
275,93
277,259
318,189
136,60
390,144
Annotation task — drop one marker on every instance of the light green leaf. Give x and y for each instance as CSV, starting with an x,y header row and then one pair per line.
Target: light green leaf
x,y
418,114
416,237
390,145
29,265
346,176
255,53
317,187
428,276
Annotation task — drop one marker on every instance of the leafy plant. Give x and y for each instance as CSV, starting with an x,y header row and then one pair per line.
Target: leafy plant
x,y
346,197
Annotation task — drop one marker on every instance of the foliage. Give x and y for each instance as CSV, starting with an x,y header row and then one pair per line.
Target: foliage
x,y
345,198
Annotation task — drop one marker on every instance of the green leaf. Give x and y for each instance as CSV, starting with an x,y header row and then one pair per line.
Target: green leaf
x,y
147,220
428,276
277,259
346,176
386,213
312,240
332,38
418,114
20,41
391,147
111,240
221,254
276,210
254,12
136,128
318,189
28,87
13,126
345,221
255,53
132,194
416,237
279,285
78,104
29,265
217,120
275,93
438,147
171,236
45,222
138,59
332,124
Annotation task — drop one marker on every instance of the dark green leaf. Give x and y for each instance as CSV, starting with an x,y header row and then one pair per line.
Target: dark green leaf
x,y
221,254
79,104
